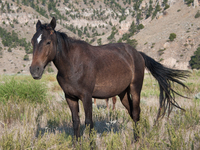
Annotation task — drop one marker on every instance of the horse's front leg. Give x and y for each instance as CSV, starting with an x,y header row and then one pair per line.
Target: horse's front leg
x,y
87,104
74,107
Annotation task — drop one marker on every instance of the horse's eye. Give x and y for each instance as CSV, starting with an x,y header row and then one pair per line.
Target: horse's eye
x,y
48,43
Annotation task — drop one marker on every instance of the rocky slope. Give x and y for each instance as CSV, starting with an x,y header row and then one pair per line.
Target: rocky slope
x,y
179,19
93,21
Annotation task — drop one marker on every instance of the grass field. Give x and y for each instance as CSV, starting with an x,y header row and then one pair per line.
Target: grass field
x,y
34,115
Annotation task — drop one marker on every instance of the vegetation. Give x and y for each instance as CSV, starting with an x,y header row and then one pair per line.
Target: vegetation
x,y
28,122
31,91
195,60
99,41
189,2
197,14
26,57
118,10
11,40
161,51
172,36
114,31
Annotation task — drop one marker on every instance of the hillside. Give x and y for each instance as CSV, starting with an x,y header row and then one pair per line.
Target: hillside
x,y
145,24
179,19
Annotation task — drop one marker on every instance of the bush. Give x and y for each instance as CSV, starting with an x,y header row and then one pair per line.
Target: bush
x,y
195,60
31,91
26,57
49,69
99,41
172,36
197,14
9,49
140,26
188,2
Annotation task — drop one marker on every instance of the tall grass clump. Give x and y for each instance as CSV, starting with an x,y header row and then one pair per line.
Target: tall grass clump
x,y
28,90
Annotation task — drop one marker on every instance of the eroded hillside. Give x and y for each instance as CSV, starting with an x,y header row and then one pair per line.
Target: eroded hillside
x,y
145,24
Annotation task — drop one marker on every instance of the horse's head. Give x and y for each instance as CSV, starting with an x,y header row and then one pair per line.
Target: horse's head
x,y
44,47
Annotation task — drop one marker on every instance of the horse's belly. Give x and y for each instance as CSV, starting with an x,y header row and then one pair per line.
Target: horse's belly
x,y
111,85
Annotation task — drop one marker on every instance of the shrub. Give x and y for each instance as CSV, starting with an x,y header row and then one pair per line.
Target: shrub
x,y
99,41
49,69
172,36
112,35
31,91
132,42
197,14
140,26
9,49
166,6
26,57
188,2
161,51
195,60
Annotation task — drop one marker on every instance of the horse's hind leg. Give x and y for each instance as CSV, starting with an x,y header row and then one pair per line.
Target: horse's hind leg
x,y
132,103
135,90
95,103
114,99
126,101
107,103
135,95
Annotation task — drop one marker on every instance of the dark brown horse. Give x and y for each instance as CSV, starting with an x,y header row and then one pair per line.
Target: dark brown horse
x,y
114,99
86,72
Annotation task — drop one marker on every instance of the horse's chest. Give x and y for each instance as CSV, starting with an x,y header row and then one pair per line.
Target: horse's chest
x,y
67,86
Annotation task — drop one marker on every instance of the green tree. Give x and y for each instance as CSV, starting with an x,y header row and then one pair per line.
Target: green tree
x,y
99,41
140,26
149,11
195,60
112,35
172,36
80,33
188,2
132,28
132,42
157,9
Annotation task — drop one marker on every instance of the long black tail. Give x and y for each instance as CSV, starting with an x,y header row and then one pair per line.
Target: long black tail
x,y
165,77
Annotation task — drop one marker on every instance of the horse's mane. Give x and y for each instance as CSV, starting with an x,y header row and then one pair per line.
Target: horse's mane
x,y
68,40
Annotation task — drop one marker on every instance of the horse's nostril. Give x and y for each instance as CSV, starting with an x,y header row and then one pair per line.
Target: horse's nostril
x,y
38,68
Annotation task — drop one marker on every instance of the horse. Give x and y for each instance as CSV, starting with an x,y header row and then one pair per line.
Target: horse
x,y
86,72
114,99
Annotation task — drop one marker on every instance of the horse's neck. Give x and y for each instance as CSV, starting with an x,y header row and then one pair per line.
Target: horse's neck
x,y
61,60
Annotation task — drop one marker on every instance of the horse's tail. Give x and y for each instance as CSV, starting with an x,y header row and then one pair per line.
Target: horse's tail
x,y
165,77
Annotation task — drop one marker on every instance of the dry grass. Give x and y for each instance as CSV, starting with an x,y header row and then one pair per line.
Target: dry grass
x,y
48,125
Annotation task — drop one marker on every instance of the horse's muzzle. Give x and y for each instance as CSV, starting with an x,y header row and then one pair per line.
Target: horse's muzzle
x,y
36,72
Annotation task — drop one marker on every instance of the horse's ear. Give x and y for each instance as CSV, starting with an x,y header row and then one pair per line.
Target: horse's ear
x,y
38,25
53,23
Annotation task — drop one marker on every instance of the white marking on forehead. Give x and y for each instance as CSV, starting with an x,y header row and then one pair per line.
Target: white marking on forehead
x,y
39,38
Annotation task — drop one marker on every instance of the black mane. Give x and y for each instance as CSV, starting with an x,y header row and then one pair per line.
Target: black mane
x,y
68,40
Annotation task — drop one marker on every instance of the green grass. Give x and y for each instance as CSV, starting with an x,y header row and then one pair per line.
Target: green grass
x,y
30,119
29,90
